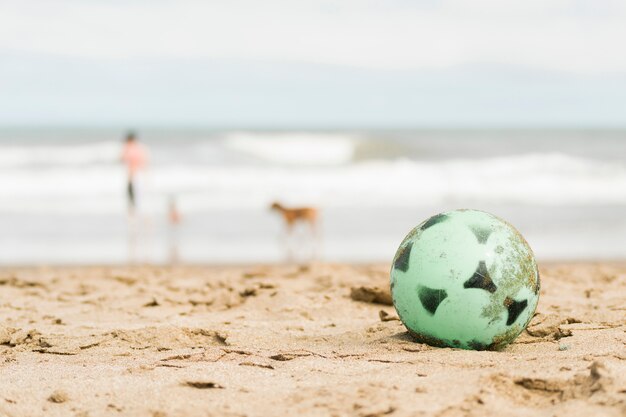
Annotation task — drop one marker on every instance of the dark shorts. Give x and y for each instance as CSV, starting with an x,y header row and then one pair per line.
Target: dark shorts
x,y
131,193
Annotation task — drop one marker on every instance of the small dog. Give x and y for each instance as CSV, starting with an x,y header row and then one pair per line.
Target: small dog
x,y
292,216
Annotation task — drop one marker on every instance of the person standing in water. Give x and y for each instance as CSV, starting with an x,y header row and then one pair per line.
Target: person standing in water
x,y
135,156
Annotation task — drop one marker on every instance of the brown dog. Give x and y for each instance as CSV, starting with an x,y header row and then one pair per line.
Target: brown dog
x,y
293,215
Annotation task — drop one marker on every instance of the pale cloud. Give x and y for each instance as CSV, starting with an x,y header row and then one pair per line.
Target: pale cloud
x,y
562,35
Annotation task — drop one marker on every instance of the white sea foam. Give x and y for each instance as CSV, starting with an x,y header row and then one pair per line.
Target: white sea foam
x,y
294,148
533,179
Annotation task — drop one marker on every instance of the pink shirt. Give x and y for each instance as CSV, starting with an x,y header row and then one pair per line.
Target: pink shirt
x,y
135,157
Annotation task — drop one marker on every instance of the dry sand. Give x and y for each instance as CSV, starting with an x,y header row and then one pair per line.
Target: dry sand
x,y
269,341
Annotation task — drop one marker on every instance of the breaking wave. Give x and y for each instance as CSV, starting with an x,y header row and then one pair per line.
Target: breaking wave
x,y
533,179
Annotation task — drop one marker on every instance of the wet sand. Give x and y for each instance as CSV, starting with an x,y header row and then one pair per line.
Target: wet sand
x,y
287,340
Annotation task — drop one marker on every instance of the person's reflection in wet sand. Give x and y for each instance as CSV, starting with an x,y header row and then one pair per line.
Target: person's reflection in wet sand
x,y
174,220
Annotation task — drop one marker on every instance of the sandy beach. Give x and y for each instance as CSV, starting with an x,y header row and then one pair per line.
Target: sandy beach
x,y
289,340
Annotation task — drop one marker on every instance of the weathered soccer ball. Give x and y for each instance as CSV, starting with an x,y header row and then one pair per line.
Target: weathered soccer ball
x,y
465,279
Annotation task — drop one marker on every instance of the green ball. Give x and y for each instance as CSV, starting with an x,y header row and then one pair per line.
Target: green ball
x,y
465,279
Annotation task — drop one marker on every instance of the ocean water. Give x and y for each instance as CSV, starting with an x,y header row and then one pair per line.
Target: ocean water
x,y
62,191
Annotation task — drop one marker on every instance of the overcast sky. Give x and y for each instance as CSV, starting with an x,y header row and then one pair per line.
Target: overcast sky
x,y
313,63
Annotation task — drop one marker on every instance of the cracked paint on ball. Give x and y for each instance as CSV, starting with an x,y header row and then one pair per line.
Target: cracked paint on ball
x,y
465,279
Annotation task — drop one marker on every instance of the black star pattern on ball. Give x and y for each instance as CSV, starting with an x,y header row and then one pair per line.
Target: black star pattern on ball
x,y
481,233
437,218
431,298
481,279
402,260
515,308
